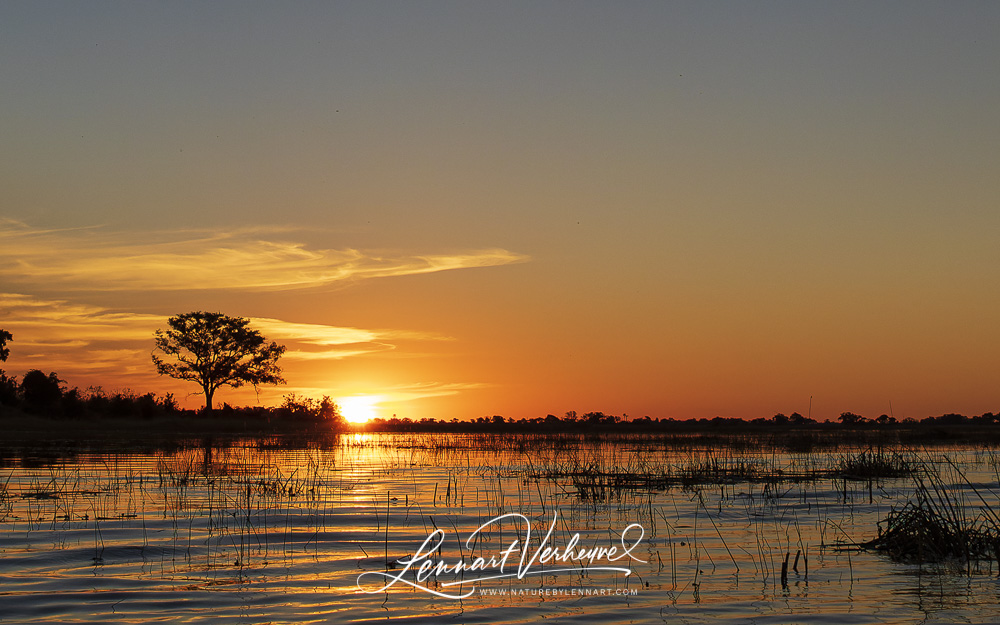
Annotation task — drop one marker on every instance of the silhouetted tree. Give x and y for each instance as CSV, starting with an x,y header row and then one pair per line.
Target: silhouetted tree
x,y
41,392
216,350
72,404
849,418
797,419
8,389
949,419
309,408
8,386
4,350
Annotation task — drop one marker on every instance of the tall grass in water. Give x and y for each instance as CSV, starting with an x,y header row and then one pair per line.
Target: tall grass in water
x,y
939,524
874,463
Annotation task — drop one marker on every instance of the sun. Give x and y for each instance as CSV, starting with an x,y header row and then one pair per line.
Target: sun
x,y
359,408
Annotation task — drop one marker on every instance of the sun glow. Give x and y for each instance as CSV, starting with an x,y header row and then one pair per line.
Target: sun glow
x,y
359,408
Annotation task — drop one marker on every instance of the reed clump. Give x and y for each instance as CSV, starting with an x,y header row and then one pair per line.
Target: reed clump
x,y
724,470
603,486
874,464
6,501
934,527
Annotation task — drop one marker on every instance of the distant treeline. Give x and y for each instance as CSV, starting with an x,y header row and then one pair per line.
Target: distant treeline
x,y
41,394
38,393
598,421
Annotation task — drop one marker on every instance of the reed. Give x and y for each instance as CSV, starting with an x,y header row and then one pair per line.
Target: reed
x,y
874,463
937,525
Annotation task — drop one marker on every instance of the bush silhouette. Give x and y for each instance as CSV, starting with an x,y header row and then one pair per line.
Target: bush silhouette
x,y
41,392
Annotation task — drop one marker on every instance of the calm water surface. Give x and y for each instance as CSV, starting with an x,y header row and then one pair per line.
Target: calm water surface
x,y
251,534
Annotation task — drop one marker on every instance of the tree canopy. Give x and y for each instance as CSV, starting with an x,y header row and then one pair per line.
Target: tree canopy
x,y
4,350
216,350
41,392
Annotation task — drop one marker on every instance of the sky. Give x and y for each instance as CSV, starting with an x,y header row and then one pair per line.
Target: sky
x,y
464,209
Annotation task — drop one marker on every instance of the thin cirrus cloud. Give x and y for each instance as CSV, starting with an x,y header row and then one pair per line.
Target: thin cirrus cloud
x,y
85,344
335,342
40,322
93,260
325,335
400,393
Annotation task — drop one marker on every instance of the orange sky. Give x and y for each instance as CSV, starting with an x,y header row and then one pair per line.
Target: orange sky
x,y
671,210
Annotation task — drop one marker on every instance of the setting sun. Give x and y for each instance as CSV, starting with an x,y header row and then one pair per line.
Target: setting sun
x,y
359,408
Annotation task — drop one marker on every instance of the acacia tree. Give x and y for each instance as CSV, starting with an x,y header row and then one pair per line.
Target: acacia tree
x,y
216,350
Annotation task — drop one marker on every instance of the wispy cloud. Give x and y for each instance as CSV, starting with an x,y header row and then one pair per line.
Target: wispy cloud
x,y
40,322
335,342
385,395
88,344
397,393
410,392
85,341
93,259
320,334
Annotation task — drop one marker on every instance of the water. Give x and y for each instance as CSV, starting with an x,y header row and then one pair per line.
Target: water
x,y
258,534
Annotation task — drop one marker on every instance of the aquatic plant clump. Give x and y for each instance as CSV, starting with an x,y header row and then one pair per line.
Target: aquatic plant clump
x,y
726,470
874,464
604,486
934,528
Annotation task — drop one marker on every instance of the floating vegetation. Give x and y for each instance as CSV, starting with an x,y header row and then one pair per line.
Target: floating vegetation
x,y
723,470
874,464
652,472
938,526
611,485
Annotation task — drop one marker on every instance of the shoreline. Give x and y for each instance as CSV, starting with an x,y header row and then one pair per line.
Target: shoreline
x,y
22,433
